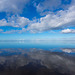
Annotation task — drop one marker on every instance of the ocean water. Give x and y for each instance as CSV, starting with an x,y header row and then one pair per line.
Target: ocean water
x,y
37,57
38,44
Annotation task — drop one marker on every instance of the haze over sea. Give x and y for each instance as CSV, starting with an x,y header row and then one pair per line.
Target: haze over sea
x,y
39,44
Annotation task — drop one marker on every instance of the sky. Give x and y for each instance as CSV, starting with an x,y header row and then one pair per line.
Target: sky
x,y
37,19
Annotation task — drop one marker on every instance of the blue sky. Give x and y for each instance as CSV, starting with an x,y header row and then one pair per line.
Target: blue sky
x,y
37,19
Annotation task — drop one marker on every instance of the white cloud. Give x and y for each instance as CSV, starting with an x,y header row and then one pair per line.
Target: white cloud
x,y
68,31
62,19
15,6
48,4
15,21
3,22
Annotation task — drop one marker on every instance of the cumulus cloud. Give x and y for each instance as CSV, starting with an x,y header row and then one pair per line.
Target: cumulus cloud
x,y
48,5
68,31
3,22
51,21
15,21
62,19
15,6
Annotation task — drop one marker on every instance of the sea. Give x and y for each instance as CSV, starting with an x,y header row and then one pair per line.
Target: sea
x,y
37,57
